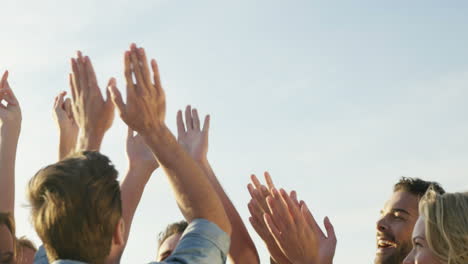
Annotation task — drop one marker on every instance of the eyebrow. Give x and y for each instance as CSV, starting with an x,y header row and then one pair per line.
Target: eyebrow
x,y
6,257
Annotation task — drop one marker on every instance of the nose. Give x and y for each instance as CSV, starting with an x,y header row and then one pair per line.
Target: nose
x,y
410,258
382,224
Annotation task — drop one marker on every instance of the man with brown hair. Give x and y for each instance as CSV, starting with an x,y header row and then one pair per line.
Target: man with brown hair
x,y
77,209
398,217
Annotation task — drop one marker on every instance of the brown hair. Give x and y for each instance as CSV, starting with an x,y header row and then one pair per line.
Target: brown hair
x,y
8,220
417,186
174,228
76,206
24,242
446,221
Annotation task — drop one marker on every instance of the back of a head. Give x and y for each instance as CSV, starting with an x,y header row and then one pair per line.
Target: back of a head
x,y
174,228
76,206
446,221
416,186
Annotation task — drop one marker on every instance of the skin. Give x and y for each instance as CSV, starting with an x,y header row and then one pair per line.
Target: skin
x,y
295,231
92,113
6,242
144,112
168,246
396,224
257,207
194,139
68,128
142,162
421,252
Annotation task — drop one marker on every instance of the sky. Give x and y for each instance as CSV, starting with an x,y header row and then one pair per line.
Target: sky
x,y
336,99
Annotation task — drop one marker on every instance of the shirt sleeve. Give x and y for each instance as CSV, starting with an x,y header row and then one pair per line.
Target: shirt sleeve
x,y
203,242
41,256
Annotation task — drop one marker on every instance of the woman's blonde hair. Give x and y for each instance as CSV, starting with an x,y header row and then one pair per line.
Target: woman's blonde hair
x,y
446,221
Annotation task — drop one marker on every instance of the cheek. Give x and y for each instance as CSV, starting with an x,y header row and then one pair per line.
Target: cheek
x,y
403,231
425,256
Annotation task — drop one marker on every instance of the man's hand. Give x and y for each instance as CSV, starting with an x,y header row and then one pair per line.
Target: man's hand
x,y
10,114
145,109
92,113
191,136
68,129
257,207
296,232
139,155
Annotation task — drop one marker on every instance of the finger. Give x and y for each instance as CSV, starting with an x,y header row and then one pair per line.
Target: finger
x,y
293,196
294,210
128,74
71,81
91,75
255,210
59,101
145,69
269,181
180,124
264,191
136,70
82,76
118,102
195,120
206,125
156,78
256,182
188,118
281,209
274,230
67,106
257,227
4,78
108,103
250,188
330,229
310,220
10,95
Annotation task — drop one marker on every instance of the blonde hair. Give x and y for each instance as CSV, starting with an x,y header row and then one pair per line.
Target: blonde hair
x,y
446,222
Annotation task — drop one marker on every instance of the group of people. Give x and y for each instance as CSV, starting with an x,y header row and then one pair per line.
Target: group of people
x,y
83,214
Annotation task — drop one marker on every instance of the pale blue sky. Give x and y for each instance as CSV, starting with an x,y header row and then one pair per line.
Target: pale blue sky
x,y
337,99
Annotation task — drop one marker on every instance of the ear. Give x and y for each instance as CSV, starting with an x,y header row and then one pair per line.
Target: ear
x,y
119,233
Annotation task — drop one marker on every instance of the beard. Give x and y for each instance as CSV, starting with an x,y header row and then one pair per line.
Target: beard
x,y
396,256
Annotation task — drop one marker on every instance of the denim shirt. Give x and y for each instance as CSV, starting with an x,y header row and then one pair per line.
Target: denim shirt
x,y
202,242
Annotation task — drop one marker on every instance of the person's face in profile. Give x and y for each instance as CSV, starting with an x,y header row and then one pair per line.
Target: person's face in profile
x,y
6,245
168,246
421,253
394,228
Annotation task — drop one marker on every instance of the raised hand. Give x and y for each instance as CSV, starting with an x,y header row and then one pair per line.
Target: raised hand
x,y
296,232
68,129
10,127
191,136
10,114
145,109
257,207
139,155
92,113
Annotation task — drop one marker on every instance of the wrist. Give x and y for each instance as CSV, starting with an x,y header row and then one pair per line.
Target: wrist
x,y
90,141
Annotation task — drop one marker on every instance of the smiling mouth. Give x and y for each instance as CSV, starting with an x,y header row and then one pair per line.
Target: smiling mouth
x,y
386,244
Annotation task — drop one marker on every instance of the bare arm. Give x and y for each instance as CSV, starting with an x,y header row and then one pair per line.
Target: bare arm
x,y
10,127
141,165
144,112
195,141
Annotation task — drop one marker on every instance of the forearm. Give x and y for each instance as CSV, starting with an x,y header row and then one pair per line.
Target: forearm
x,y
242,248
132,187
193,192
8,146
66,146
